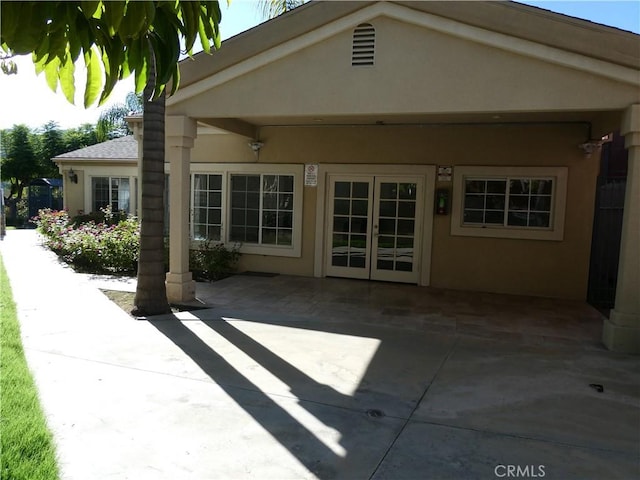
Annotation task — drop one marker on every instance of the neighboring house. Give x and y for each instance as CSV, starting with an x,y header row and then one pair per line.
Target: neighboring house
x,y
451,144
100,175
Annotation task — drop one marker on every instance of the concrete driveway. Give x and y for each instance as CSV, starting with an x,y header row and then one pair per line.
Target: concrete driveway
x,y
290,378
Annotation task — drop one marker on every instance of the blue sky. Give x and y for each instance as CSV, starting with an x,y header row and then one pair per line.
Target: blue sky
x,y
26,98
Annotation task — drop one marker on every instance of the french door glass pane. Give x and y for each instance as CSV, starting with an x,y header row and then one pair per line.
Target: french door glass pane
x,y
350,224
396,226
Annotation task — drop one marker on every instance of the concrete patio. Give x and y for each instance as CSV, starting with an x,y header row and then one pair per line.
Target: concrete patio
x,y
286,377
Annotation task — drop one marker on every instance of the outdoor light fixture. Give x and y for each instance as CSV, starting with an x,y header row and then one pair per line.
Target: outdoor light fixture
x,y
256,145
589,147
73,177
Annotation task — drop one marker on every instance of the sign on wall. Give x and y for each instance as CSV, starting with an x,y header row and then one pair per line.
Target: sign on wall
x,y
311,175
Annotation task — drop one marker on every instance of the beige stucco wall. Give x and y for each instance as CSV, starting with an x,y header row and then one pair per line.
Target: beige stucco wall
x,y
532,267
73,193
442,74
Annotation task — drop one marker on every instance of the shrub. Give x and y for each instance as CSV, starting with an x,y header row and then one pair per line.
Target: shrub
x,y
213,261
92,247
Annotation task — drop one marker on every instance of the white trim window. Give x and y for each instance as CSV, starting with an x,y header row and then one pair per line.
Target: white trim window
x,y
262,209
206,220
258,207
111,191
511,202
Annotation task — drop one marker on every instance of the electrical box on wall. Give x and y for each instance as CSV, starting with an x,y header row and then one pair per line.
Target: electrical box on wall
x,y
442,201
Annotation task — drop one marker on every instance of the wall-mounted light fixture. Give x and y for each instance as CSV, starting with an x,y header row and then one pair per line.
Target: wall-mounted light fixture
x,y
594,144
73,176
256,145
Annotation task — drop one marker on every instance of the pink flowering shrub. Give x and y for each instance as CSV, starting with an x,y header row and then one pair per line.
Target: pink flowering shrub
x,y
92,247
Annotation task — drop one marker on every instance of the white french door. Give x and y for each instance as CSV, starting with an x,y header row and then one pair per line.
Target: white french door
x,y
375,227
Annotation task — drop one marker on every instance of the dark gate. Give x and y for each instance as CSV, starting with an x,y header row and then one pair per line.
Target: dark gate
x,y
607,225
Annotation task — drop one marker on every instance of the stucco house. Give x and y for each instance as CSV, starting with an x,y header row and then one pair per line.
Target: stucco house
x,y
99,175
445,144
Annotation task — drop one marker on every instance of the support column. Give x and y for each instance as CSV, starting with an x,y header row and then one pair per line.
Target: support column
x,y
622,330
180,134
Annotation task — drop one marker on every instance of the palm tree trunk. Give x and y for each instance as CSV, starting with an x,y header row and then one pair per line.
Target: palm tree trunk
x,y
151,292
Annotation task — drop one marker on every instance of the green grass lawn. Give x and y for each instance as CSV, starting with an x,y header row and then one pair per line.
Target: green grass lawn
x,y
27,451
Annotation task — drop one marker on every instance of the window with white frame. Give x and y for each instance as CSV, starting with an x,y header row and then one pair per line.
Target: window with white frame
x,y
110,191
207,207
262,209
258,207
512,202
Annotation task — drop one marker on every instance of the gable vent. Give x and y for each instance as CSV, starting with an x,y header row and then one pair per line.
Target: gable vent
x,y
364,43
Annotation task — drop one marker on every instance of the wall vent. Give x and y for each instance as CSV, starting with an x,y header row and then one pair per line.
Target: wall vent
x,y
364,44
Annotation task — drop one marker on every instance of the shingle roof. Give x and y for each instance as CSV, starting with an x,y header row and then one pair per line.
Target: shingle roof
x,y
123,148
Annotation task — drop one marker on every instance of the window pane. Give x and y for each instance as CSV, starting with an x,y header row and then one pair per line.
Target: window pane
x,y
407,191
494,202
341,207
387,208
285,183
215,216
356,261
518,219
404,266
237,234
494,217
386,242
519,186
541,187
406,227
474,201
360,190
269,219
343,189
285,220
518,202
341,224
475,186
213,233
215,199
385,264
269,236
359,225
407,209
200,232
473,216
285,237
539,220
253,217
253,200
199,215
238,182
238,216
238,200
389,190
269,183
496,186
285,201
387,226
252,235
404,242
358,243
540,203
340,240
215,182
253,183
270,200
359,207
